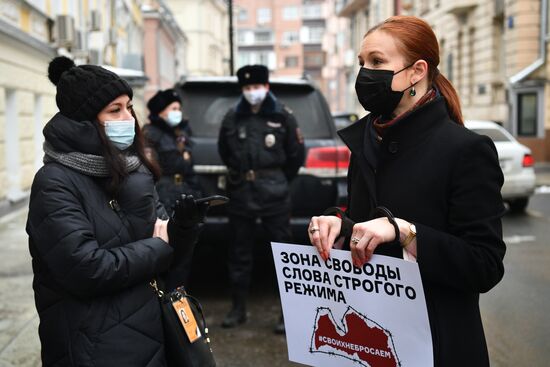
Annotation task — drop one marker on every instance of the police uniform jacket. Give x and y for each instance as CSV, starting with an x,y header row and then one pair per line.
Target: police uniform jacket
x,y
263,153
446,180
93,262
178,175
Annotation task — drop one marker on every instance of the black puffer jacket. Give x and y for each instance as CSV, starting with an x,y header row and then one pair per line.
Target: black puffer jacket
x,y
92,265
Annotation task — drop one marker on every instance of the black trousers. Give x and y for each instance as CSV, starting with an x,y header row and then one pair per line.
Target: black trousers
x,y
241,250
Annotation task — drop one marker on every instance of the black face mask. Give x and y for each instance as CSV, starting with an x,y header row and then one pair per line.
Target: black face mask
x,y
373,88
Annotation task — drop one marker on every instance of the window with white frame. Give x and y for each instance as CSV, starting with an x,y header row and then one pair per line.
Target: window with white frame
x,y
314,59
263,37
311,11
290,37
263,15
243,15
527,109
290,13
266,58
313,34
291,61
245,37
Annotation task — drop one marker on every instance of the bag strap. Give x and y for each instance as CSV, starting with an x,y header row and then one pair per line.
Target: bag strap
x,y
197,304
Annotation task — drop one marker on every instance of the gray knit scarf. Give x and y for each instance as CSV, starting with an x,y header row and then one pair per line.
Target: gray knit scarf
x,y
88,164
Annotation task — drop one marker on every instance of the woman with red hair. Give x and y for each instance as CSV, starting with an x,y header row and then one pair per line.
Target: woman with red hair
x,y
421,186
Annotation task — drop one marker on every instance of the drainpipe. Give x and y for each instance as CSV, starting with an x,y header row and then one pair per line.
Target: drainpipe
x,y
518,77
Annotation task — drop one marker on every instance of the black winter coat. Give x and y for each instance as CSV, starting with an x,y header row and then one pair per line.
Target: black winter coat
x,y
92,265
268,143
446,180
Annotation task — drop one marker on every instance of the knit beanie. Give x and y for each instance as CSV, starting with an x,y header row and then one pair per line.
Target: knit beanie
x,y
161,100
83,91
253,74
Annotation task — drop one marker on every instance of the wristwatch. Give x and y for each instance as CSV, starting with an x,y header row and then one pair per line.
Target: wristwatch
x,y
411,236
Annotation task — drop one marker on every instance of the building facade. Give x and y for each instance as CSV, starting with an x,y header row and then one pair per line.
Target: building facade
x,y
166,47
494,53
296,38
206,26
32,32
363,14
27,98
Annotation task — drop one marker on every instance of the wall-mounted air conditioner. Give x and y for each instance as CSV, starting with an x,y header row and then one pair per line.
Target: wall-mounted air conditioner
x,y
94,57
113,36
79,43
64,31
95,20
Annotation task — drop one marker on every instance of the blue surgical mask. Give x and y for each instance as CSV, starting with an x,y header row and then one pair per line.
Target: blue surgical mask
x,y
121,132
174,118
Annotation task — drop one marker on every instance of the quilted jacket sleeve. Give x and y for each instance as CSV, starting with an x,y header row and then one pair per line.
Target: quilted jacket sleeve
x,y
64,245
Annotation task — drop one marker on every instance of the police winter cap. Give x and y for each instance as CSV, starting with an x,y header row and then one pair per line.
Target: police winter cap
x,y
161,100
83,91
253,74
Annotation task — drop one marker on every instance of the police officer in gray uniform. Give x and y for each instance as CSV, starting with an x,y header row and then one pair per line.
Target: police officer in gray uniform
x,y
262,147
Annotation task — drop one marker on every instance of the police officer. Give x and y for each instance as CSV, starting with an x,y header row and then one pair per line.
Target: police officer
x,y
262,147
168,138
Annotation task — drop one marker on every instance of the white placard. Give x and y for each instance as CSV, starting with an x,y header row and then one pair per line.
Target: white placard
x,y
339,315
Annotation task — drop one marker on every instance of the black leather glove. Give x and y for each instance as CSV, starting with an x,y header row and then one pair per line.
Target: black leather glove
x,y
187,213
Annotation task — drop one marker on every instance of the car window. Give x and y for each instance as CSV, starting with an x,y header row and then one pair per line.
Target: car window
x,y
342,121
206,105
494,134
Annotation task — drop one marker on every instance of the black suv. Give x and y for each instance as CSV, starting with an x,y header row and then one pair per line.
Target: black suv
x,y
320,182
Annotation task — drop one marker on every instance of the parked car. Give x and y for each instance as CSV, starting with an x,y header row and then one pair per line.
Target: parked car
x,y
516,162
344,119
321,182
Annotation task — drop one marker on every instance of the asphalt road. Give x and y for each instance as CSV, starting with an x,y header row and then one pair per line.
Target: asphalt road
x,y
515,313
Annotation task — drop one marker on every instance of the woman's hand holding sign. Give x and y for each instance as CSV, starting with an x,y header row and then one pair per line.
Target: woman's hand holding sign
x,y
323,231
366,237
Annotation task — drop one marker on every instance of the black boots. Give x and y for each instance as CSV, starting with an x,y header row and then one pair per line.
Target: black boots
x,y
237,314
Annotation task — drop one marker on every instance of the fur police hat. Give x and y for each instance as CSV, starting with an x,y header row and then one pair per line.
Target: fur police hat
x,y
253,74
161,100
83,91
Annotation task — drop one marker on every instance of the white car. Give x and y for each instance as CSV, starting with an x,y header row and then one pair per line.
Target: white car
x,y
516,162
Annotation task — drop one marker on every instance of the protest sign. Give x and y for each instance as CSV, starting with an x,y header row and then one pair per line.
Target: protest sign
x,y
339,315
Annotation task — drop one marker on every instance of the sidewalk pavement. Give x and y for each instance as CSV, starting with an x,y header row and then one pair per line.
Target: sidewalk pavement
x,y
542,170
19,343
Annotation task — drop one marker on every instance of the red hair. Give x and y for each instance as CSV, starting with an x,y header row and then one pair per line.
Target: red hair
x,y
417,41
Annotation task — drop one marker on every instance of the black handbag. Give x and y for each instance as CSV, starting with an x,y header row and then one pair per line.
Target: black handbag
x,y
186,340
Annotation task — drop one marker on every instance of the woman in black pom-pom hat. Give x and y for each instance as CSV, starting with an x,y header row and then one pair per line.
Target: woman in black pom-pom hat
x,y
97,233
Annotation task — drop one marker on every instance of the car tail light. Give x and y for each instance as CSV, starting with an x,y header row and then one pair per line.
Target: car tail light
x,y
528,160
328,157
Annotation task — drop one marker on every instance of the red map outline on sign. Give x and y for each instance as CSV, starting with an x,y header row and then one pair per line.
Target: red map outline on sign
x,y
355,337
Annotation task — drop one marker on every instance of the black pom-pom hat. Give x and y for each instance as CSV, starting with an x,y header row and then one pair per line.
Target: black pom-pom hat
x,y
83,91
